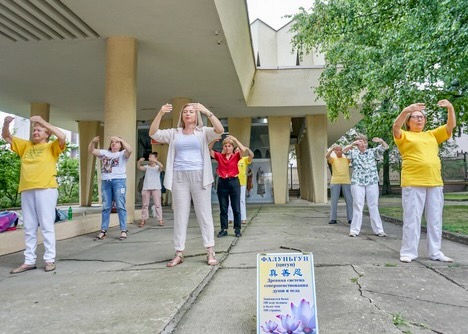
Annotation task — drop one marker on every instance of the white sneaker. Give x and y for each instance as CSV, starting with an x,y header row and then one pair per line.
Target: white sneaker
x,y
443,258
405,259
352,234
381,234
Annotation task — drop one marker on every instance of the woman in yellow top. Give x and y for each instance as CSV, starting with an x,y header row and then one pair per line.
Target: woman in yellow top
x,y
340,182
38,187
421,180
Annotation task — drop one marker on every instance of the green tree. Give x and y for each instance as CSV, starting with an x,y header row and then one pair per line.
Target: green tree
x,y
9,176
68,178
384,55
395,51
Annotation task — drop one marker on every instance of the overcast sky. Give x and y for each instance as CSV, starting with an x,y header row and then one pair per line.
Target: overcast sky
x,y
272,11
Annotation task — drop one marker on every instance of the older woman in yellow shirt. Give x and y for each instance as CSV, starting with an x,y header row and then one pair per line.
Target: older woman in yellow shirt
x,y
421,181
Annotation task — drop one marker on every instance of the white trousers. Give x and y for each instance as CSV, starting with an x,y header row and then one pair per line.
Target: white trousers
x,y
415,200
371,195
186,186
38,206
242,206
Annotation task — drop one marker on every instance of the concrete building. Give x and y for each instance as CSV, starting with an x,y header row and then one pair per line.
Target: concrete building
x,y
105,68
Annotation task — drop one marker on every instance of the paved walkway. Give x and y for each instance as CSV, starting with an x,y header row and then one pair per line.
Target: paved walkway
x,y
114,286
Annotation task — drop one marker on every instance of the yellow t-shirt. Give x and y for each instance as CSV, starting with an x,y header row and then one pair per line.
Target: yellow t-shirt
x,y
38,163
420,155
242,165
340,170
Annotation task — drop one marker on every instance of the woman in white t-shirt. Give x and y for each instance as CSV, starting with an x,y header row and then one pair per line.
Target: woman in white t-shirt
x,y
189,174
151,187
113,181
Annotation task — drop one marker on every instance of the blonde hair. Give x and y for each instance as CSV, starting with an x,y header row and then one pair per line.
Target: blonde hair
x,y
181,123
228,141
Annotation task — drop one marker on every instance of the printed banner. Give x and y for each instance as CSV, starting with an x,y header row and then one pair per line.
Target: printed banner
x,y
286,293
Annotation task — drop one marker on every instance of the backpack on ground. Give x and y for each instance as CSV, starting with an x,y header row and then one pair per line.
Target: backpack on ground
x,y
8,219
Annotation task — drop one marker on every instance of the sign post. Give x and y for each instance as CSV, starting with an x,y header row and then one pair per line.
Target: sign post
x,y
286,293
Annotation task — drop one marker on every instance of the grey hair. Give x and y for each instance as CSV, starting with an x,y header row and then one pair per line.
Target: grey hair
x,y
360,136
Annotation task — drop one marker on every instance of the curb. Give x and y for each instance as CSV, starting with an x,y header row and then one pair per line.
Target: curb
x,y
446,235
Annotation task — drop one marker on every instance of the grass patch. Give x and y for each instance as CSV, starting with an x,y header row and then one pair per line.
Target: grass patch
x,y
455,217
398,320
456,197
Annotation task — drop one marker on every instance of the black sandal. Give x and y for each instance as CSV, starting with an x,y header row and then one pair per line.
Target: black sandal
x,y
123,235
102,234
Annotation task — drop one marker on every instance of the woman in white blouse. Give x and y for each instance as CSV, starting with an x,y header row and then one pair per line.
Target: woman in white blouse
x,y
189,173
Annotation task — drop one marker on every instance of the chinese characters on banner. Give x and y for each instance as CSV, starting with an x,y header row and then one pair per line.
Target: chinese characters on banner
x,y
286,293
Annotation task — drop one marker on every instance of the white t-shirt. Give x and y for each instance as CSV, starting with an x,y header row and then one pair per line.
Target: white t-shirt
x,y
113,165
188,153
152,178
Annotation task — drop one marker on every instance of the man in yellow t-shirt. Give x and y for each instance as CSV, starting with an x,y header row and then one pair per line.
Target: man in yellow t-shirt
x,y
242,166
38,187
340,181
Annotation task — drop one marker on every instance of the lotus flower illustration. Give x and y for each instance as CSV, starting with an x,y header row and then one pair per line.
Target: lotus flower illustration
x,y
306,315
270,327
290,324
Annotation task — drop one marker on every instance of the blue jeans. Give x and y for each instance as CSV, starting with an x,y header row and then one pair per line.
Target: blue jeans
x,y
114,190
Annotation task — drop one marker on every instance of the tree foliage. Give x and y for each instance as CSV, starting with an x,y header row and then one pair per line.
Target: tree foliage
x,y
9,176
387,54
383,55
67,177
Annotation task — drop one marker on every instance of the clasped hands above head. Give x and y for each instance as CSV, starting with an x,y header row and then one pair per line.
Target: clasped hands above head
x,y
8,119
36,119
421,106
166,108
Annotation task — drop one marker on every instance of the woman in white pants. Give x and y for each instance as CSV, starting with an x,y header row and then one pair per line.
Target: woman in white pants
x,y
421,180
189,174
38,187
365,183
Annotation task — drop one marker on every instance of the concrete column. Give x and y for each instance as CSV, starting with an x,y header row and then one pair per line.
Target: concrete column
x,y
279,134
317,141
299,165
240,128
87,130
306,182
120,104
162,150
177,104
39,109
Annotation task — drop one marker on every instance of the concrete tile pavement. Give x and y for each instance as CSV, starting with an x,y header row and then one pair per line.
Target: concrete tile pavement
x,y
114,286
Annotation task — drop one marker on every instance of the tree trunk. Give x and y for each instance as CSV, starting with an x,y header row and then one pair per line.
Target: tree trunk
x,y
386,188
